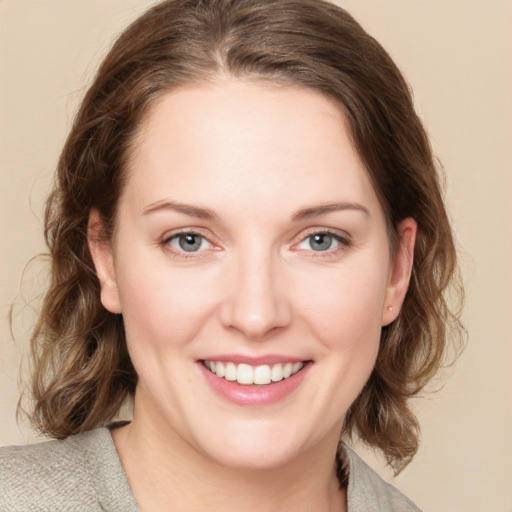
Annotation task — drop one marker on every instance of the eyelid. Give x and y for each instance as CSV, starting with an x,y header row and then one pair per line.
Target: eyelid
x,y
182,231
175,242
342,237
168,237
337,233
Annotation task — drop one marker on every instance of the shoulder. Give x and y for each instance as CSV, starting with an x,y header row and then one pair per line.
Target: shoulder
x,y
367,492
72,474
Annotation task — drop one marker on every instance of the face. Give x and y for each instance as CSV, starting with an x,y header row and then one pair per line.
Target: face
x,y
252,267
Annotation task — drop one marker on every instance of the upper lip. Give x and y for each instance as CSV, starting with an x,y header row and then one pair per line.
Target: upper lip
x,y
255,361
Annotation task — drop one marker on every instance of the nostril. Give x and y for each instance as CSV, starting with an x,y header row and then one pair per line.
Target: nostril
x,y
256,320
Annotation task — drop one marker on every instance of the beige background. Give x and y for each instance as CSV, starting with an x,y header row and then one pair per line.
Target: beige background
x,y
457,57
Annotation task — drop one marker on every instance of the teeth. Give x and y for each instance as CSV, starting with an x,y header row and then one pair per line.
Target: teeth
x,y
296,367
277,373
220,369
262,374
231,373
245,374
248,375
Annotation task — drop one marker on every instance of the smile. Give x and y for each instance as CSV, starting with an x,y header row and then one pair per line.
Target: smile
x,y
248,375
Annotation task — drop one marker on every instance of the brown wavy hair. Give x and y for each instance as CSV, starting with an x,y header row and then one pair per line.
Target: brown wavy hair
x,y
81,368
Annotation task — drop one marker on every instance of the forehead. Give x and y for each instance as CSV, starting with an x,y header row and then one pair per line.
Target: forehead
x,y
245,142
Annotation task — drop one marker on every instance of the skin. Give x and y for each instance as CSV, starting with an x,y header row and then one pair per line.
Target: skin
x,y
264,160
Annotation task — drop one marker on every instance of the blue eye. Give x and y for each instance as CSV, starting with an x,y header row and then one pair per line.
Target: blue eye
x,y
321,242
188,242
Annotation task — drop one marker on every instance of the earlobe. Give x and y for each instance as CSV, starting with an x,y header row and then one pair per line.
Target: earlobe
x,y
103,258
400,272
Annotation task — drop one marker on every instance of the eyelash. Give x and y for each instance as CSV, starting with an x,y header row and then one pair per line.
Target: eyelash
x,y
166,244
343,242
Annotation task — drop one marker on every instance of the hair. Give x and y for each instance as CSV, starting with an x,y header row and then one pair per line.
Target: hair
x,y
82,372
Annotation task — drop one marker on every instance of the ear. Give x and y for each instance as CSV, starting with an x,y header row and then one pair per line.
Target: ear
x,y
103,258
400,271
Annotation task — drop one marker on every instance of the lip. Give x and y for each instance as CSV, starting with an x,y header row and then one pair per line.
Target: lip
x,y
254,395
254,361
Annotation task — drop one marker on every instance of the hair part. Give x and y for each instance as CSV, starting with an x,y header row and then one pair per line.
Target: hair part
x,y
82,370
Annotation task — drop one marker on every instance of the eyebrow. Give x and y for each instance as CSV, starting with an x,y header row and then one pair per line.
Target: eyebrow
x,y
186,209
205,213
315,211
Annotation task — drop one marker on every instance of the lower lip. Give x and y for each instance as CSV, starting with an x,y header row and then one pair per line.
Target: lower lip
x,y
254,395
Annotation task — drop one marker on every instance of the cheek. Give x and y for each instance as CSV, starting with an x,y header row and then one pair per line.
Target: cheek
x,y
346,304
162,308
344,321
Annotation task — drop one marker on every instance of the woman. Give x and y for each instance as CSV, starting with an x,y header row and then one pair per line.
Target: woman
x,y
248,238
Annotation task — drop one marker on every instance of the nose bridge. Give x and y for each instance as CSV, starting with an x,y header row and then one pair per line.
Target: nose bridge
x,y
256,303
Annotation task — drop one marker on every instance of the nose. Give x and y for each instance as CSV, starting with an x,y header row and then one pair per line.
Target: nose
x,y
255,302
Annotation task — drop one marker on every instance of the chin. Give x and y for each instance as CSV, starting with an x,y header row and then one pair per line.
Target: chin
x,y
250,459
256,447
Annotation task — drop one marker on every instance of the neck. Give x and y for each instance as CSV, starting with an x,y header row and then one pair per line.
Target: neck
x,y
166,473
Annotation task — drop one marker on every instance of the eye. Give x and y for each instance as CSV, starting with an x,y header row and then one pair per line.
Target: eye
x,y
322,242
188,242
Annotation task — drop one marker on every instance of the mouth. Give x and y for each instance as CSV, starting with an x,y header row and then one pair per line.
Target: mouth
x,y
248,375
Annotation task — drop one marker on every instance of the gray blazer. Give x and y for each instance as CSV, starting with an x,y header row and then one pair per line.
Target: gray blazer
x,y
84,473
